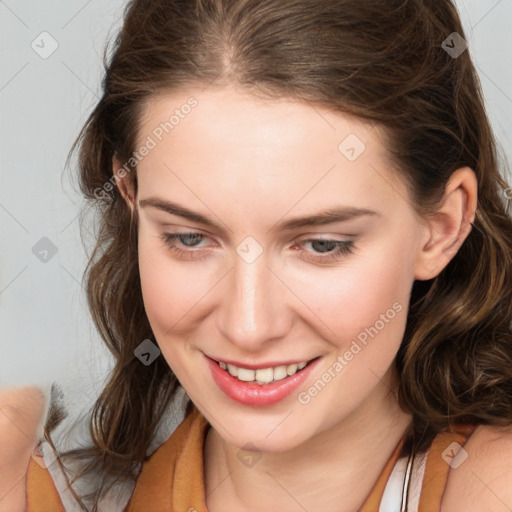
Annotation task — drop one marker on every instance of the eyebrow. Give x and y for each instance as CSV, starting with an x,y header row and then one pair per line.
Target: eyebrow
x,y
329,216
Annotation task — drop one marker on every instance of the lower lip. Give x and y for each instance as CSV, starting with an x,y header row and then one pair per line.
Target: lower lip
x,y
249,393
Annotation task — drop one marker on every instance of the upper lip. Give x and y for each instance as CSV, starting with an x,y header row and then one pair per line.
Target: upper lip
x,y
258,366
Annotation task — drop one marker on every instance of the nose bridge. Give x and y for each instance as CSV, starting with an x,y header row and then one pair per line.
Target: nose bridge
x,y
252,309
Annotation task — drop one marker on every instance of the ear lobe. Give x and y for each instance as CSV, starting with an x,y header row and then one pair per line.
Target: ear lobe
x,y
446,229
126,188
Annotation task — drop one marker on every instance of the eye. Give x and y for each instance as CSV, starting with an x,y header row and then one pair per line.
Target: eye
x,y
187,245
327,249
187,239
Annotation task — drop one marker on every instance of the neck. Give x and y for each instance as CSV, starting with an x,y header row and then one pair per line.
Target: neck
x,y
334,471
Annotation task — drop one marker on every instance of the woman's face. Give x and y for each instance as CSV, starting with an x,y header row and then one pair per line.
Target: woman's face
x,y
289,239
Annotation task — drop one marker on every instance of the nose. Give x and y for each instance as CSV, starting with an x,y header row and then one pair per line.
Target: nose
x,y
252,311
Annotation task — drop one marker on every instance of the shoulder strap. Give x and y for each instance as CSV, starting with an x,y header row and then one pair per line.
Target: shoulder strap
x,y
172,478
442,455
177,464
42,494
373,501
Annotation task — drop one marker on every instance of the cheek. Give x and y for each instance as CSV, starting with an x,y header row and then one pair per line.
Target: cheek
x,y
171,291
366,298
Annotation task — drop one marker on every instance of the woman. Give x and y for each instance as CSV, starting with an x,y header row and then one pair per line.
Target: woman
x,y
304,225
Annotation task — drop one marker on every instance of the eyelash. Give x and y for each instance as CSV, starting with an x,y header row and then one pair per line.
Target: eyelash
x,y
342,248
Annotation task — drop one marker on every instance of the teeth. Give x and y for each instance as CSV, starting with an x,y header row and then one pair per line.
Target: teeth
x,y
280,372
233,370
263,375
291,369
245,374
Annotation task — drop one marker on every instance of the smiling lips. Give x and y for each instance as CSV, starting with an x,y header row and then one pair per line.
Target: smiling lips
x,y
259,386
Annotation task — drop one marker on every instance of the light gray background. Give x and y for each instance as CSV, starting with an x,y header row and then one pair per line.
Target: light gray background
x,y
45,330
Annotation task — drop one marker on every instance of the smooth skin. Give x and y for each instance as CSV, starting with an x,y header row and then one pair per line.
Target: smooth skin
x,y
249,164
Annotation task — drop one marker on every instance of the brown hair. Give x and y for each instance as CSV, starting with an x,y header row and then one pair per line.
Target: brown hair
x,y
381,62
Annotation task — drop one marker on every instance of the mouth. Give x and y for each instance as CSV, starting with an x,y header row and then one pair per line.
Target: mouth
x,y
262,385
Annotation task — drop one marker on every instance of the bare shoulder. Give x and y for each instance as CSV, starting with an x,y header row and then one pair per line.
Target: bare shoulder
x,y
484,480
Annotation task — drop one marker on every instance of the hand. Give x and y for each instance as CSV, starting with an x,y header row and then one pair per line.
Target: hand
x,y
21,414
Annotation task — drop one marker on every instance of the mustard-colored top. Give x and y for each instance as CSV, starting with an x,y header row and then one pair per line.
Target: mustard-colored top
x,y
172,478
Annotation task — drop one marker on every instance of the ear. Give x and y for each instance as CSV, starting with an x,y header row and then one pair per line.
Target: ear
x,y
446,229
125,186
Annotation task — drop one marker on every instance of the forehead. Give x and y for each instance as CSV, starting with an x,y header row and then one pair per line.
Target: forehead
x,y
259,149
252,120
